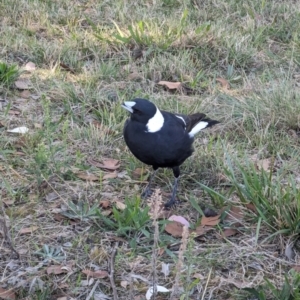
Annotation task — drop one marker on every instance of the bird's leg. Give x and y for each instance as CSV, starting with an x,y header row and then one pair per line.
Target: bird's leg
x,y
147,192
172,201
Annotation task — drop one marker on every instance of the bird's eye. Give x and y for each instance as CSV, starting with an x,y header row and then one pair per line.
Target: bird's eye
x,y
136,111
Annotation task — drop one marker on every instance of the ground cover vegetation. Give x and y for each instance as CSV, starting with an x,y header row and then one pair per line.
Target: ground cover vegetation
x,y
72,224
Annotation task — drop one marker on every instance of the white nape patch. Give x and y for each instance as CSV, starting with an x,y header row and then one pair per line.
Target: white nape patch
x,y
197,128
156,122
128,105
179,117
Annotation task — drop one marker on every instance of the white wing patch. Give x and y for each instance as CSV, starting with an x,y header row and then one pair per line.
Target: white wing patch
x,y
156,122
201,125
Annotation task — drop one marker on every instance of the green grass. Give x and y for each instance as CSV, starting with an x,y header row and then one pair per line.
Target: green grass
x,y
92,56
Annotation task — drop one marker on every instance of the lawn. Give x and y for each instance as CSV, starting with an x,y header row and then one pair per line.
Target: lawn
x,y
72,223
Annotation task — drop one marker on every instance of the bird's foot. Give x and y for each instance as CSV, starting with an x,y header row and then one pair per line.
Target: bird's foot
x,y
146,193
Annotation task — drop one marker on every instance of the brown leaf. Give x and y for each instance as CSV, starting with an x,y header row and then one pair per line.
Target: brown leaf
x,y
210,221
8,202
95,274
110,175
171,85
138,172
174,228
55,269
296,268
7,294
105,203
264,164
59,217
14,112
229,232
225,84
30,66
67,68
86,176
235,213
251,206
28,230
201,230
107,163
25,94
22,84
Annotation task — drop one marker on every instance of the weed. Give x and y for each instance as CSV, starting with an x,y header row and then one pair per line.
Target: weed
x,y
8,74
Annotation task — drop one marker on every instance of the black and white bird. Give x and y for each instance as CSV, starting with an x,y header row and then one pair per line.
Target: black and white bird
x,y
161,139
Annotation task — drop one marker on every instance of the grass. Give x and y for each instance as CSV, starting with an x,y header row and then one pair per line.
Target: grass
x,y
90,57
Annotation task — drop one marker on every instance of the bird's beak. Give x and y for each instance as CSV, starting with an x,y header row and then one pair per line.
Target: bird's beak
x,y
128,105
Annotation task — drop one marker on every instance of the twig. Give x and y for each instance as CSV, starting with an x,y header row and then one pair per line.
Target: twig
x,y
156,197
6,233
184,239
91,294
112,271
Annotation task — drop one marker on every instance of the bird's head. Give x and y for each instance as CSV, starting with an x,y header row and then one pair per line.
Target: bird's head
x,y
145,112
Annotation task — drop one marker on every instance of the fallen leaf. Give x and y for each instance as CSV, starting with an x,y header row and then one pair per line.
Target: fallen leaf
x,y
35,97
25,94
264,164
296,268
86,176
179,219
21,130
229,232
59,217
138,172
105,203
210,221
22,84
28,230
198,275
289,251
95,274
120,205
30,66
174,228
106,212
110,175
171,85
8,202
251,206
13,112
201,230
235,214
55,269
124,283
107,163
225,84
159,288
165,269
20,153
37,125
7,294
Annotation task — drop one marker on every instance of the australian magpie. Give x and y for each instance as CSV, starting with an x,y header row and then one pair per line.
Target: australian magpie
x,y
161,139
